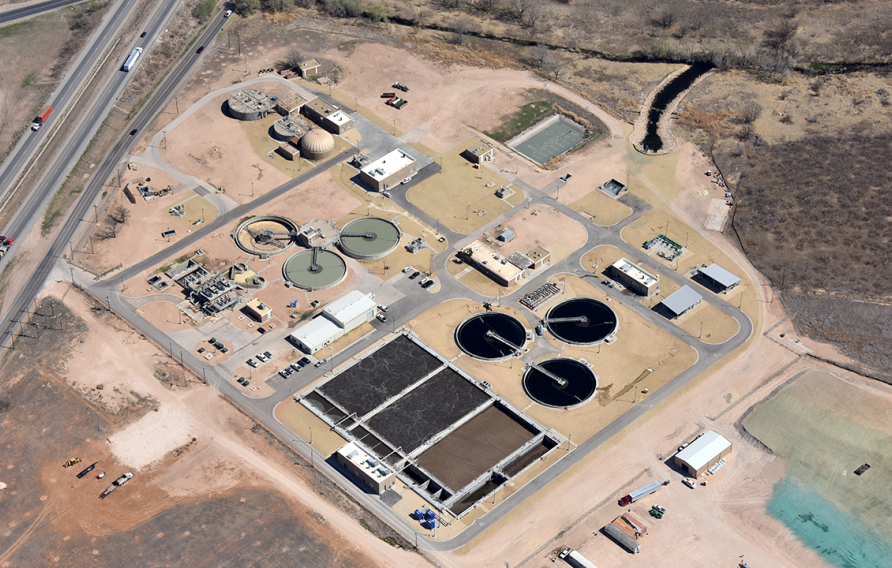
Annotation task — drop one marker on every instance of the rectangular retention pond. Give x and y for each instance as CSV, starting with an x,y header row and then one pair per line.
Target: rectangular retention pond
x,y
549,138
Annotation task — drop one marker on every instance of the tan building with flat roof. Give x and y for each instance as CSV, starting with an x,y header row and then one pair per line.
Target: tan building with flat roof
x,y
327,116
259,311
309,68
491,263
286,106
371,473
478,152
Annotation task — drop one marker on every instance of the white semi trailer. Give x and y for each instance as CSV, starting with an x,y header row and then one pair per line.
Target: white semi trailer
x,y
131,61
573,558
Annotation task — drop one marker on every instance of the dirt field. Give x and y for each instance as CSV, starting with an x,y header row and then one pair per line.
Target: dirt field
x,y
220,463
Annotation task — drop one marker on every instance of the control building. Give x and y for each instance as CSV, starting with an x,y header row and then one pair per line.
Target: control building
x,y
635,278
388,171
371,473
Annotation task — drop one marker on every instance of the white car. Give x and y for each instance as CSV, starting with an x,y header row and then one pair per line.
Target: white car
x,y
253,363
688,482
405,181
381,318
227,14
407,269
383,308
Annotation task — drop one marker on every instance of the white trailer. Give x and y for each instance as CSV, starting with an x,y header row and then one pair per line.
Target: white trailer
x,y
573,558
131,61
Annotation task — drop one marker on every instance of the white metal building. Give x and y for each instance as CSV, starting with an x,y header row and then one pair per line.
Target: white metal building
x,y
703,453
351,310
316,334
337,319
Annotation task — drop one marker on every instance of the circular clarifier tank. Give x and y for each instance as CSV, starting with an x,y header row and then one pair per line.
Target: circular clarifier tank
x,y
369,238
329,269
579,383
484,336
599,323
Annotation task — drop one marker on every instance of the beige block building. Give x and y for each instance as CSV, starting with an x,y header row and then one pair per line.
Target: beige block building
x,y
259,311
370,472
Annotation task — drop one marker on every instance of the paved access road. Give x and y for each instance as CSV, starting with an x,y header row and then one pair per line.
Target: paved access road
x,y
72,151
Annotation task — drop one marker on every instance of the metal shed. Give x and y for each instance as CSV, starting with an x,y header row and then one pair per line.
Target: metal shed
x,y
720,278
682,301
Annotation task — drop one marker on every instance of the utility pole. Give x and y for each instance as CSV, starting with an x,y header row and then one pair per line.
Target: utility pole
x,y
177,101
96,212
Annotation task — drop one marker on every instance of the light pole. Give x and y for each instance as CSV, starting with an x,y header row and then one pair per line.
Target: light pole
x,y
202,214
701,331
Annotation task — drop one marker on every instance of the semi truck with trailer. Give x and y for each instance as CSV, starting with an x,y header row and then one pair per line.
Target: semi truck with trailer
x,y
41,118
115,484
131,60
648,489
573,558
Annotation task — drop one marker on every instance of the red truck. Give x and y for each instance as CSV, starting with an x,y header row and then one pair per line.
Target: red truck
x,y
41,118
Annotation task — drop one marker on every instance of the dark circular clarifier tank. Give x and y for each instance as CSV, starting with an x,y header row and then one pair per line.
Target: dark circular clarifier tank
x,y
580,386
475,336
600,321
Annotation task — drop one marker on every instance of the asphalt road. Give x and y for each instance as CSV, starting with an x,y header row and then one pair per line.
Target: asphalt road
x,y
64,93
72,151
34,9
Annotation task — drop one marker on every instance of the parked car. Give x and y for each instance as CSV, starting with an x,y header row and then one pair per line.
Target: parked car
x,y
296,367
424,281
253,363
261,358
688,482
427,284
407,269
540,330
383,308
283,373
405,181
415,275
381,318
267,354
304,360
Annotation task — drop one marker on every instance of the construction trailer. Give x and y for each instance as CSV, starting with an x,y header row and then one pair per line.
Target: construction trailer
x,y
648,489
575,559
626,530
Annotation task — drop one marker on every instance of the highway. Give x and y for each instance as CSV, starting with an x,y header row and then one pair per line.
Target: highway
x,y
68,156
34,9
71,84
